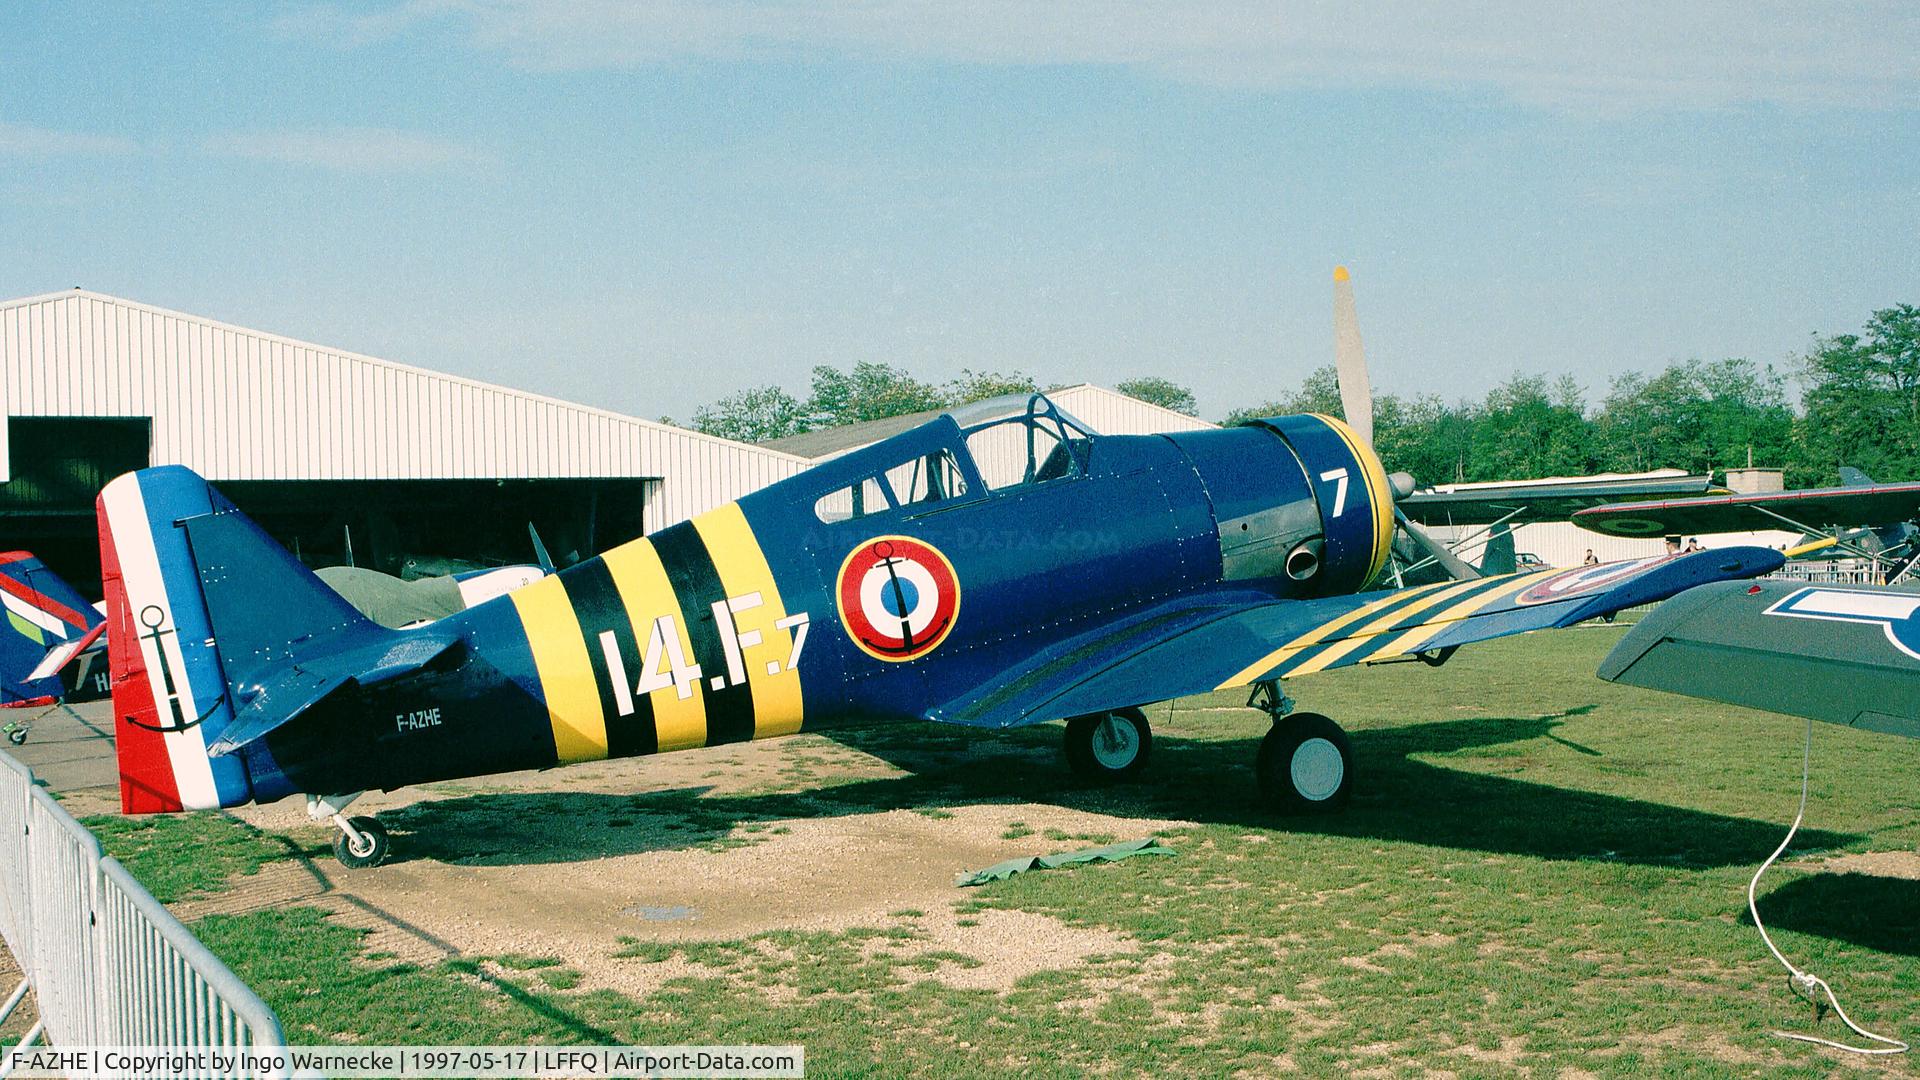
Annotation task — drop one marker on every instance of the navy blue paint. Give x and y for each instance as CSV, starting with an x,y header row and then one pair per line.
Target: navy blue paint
x,y
1095,590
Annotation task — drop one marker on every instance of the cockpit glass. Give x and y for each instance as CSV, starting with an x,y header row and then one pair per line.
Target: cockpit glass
x,y
1037,445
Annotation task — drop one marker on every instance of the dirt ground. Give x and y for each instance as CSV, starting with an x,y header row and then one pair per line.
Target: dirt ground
x,y
494,866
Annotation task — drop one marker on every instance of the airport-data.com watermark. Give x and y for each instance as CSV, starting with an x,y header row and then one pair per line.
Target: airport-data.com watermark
x,y
409,1062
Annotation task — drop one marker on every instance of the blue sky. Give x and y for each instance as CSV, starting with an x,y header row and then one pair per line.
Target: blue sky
x,y
648,206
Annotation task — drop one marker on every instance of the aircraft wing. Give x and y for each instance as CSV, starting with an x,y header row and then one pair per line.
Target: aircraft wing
x,y
1880,504
1536,500
1172,653
1846,654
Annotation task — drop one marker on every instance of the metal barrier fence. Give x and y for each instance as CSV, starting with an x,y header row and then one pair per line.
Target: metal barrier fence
x,y
108,964
1830,572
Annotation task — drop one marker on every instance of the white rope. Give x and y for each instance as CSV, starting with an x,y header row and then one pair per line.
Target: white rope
x,y
1805,983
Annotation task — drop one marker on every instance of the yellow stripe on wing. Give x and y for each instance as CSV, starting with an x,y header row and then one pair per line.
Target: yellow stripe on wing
x,y
566,674
777,705
1327,657
678,723
1412,640
1323,632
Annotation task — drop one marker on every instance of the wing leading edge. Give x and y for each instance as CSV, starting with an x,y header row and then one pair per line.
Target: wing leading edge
x,y
1816,508
1258,640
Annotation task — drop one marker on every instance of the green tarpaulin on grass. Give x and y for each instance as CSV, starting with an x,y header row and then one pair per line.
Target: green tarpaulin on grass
x,y
1111,853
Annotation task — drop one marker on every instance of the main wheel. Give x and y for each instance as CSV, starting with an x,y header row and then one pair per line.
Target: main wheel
x,y
1305,765
1109,746
370,851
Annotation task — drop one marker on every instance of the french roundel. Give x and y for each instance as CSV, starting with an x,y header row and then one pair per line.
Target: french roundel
x,y
898,597
1583,579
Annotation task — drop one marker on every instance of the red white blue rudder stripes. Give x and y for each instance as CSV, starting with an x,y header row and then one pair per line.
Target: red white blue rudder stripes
x,y
169,693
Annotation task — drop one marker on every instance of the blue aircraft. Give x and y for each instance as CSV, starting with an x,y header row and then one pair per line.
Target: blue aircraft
x,y
1001,565
50,648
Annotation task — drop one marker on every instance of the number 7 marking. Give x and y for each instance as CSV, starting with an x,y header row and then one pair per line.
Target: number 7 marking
x,y
1339,476
798,624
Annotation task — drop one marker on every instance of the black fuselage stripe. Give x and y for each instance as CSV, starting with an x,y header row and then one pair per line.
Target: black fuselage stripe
x,y
696,583
597,606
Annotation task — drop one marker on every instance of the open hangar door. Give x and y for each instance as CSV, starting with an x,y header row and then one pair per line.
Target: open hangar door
x,y
57,465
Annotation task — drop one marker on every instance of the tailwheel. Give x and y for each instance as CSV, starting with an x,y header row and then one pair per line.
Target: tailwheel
x,y
1109,746
362,842
1305,765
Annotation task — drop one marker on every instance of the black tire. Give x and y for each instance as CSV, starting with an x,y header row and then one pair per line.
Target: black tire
x,y
18,736
1106,752
1305,765
373,854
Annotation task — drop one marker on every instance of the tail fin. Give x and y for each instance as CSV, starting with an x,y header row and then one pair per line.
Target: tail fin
x,y
1852,477
198,599
44,615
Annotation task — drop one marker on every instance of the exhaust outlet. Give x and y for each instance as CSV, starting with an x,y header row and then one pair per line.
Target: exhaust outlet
x,y
1304,561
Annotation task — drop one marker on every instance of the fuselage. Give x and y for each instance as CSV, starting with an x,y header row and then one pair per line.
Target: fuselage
x,y
874,586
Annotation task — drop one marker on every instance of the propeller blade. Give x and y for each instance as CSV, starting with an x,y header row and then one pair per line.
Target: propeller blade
x,y
1456,569
540,556
1350,359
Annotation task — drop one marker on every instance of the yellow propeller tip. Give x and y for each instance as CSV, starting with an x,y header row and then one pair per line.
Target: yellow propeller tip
x,y
1339,273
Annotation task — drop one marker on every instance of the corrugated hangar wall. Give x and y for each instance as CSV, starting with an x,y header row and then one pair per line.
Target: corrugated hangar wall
x,y
239,404
1113,413
343,458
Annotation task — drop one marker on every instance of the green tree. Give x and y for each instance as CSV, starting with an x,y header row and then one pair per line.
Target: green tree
x,y
1162,392
755,415
1695,415
868,391
980,385
1528,429
1862,397
1424,437
1319,393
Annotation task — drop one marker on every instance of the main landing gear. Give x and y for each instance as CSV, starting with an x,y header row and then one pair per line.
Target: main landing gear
x,y
1110,746
362,841
1305,764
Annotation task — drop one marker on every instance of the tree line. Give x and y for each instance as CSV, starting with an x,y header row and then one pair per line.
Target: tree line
x,y
1859,405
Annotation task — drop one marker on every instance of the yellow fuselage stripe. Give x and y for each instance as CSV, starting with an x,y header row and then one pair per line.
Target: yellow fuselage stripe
x,y
777,705
566,673
1412,640
679,723
1319,634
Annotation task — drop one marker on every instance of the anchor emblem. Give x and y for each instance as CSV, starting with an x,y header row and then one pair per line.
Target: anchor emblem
x,y
154,619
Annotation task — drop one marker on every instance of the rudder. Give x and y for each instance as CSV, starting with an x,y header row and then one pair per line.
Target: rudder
x,y
177,560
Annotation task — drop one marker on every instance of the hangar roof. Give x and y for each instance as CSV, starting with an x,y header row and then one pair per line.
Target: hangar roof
x,y
240,404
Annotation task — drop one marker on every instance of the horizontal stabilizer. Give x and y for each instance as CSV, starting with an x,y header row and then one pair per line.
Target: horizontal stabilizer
x,y
59,656
298,687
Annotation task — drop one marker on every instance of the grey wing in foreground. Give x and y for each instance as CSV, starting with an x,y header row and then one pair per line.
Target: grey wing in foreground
x,y
1846,654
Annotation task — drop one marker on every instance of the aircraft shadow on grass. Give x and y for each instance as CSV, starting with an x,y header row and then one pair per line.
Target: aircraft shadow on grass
x,y
1879,913
1210,782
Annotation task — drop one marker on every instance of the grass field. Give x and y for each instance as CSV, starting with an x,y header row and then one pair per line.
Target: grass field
x,y
1540,873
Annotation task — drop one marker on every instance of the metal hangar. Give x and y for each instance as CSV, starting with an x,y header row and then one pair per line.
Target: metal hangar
x,y
335,453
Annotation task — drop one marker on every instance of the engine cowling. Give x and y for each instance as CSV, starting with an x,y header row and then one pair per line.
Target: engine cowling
x,y
1302,504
